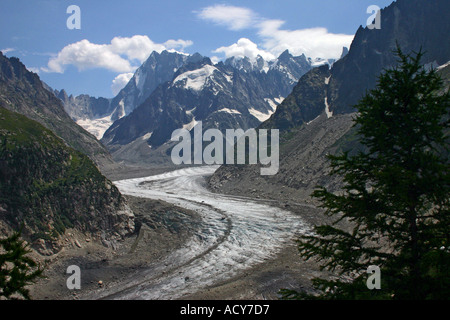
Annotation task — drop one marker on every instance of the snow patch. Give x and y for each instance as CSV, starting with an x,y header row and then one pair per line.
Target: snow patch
x,y
291,77
327,109
228,77
122,109
443,66
147,136
139,80
272,104
190,125
279,100
230,111
260,115
318,62
196,79
327,80
308,123
97,127
178,52
189,112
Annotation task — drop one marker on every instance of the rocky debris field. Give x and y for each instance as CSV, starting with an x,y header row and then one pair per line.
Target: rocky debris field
x,y
160,229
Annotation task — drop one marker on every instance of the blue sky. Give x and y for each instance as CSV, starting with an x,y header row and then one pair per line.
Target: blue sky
x,y
116,36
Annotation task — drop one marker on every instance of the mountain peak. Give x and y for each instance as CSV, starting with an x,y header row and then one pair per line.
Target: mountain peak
x,y
344,52
193,65
285,55
62,95
196,56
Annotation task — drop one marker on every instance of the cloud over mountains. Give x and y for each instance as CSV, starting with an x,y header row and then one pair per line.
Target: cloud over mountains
x,y
313,42
118,56
123,55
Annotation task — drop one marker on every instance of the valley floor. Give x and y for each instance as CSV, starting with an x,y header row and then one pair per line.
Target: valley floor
x,y
166,228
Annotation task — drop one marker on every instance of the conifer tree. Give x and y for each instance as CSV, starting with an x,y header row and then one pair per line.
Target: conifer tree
x,y
17,270
395,197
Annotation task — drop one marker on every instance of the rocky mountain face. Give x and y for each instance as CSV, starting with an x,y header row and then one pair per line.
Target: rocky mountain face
x,y
315,119
157,69
413,25
410,24
302,164
305,103
283,72
237,93
96,115
83,106
90,113
23,92
48,187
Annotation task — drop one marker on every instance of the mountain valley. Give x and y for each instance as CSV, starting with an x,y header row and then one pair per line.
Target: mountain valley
x,y
91,182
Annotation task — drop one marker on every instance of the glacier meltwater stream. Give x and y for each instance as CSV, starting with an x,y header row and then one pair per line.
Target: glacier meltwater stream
x,y
235,234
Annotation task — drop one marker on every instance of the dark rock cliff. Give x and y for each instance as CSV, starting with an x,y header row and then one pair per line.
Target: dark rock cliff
x,y
23,92
48,187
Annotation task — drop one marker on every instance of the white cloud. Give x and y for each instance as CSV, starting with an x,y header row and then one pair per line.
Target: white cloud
x,y
244,48
215,59
120,55
178,44
135,48
7,50
86,55
120,82
33,69
313,42
234,18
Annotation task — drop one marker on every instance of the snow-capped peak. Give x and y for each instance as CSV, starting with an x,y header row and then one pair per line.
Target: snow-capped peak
x,y
196,79
247,64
